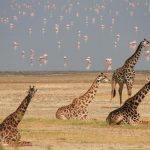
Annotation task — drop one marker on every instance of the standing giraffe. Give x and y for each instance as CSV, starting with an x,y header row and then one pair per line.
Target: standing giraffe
x,y
126,73
9,133
127,113
78,108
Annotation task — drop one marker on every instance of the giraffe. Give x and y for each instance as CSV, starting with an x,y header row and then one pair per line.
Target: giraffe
x,y
9,134
127,113
78,108
126,73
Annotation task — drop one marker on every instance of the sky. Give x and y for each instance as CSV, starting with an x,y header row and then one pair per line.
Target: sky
x,y
72,35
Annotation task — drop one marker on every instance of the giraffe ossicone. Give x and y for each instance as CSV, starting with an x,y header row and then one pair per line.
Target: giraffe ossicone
x,y
78,108
9,133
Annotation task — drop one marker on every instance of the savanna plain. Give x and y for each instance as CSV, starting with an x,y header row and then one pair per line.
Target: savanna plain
x,y
41,127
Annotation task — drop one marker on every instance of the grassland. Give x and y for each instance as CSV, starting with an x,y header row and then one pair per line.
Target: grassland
x,y
40,126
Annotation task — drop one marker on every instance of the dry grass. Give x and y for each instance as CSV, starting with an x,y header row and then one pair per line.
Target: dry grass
x,y
54,90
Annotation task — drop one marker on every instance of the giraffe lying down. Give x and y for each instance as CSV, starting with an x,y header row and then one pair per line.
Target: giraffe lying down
x,y
127,113
78,108
9,134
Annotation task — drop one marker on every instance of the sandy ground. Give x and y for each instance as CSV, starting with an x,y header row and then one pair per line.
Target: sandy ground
x,y
40,126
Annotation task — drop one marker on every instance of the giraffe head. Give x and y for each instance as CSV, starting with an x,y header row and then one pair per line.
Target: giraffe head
x,y
145,43
102,78
32,91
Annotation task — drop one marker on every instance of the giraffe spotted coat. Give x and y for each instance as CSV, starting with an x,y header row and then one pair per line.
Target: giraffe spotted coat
x,y
126,73
127,113
78,108
9,133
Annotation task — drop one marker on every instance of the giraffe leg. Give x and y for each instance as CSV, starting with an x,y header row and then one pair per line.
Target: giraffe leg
x,y
120,92
144,122
61,116
20,143
24,143
114,120
129,83
82,114
132,118
85,114
129,88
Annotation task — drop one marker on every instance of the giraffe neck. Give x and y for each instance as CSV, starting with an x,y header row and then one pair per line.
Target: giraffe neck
x,y
22,108
15,118
131,61
139,96
89,95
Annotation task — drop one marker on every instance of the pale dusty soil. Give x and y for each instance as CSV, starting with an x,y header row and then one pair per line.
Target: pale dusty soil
x,y
55,90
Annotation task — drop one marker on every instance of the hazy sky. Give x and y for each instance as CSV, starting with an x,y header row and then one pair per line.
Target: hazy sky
x,y
100,20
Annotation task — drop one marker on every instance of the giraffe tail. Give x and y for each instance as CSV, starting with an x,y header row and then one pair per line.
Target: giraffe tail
x,y
114,93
